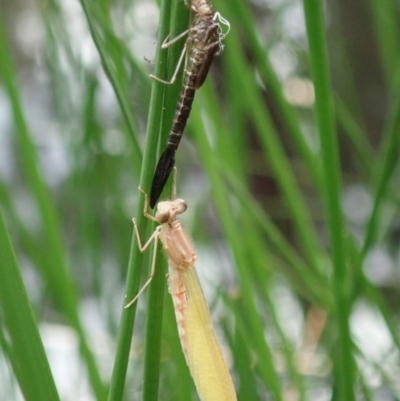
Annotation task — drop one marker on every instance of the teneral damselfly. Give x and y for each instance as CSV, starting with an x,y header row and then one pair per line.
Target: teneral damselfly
x,y
199,343
202,44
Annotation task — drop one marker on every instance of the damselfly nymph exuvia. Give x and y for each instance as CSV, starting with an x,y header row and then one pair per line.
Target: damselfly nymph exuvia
x,y
199,342
204,41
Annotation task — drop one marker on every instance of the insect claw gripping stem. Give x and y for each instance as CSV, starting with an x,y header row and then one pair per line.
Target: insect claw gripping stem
x,y
204,41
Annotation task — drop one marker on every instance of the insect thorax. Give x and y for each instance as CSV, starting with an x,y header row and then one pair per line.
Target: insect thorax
x,y
202,8
178,247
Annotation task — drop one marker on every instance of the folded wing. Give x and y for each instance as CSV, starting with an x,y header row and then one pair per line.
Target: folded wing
x,y
203,354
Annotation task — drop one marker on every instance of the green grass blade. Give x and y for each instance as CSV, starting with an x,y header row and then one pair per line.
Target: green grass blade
x,y
112,65
355,134
274,153
331,165
162,105
179,23
238,12
253,326
34,375
54,269
387,161
385,21
304,266
299,275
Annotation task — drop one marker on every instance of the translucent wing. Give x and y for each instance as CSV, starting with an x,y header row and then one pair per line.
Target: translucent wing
x,y
203,354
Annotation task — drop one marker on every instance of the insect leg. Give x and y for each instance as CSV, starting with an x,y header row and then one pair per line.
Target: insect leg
x,y
182,56
154,237
167,44
145,208
174,183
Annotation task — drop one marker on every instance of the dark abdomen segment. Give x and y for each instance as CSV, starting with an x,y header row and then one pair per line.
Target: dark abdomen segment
x,y
204,41
182,112
181,116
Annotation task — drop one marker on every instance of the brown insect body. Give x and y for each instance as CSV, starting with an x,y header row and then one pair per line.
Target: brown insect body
x,y
202,44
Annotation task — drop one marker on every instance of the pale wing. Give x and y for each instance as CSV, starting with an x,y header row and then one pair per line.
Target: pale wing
x,y
204,357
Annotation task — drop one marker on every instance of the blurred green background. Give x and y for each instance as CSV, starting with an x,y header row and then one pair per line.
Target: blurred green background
x,y
289,165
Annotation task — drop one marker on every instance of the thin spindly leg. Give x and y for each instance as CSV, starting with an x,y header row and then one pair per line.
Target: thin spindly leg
x,y
182,56
174,183
154,237
166,44
145,208
149,241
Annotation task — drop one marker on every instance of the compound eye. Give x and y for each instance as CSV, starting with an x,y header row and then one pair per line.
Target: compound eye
x,y
163,217
181,206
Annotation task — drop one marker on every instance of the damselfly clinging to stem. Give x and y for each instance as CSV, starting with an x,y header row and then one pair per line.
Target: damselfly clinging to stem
x,y
199,343
204,41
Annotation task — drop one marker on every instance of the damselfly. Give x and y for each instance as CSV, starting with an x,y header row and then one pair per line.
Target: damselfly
x,y
204,41
199,343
